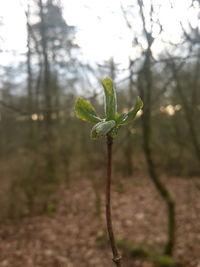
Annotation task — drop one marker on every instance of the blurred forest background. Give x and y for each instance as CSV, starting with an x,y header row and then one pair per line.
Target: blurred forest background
x,y
44,147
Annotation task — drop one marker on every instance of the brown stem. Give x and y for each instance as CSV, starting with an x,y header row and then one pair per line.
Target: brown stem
x,y
116,255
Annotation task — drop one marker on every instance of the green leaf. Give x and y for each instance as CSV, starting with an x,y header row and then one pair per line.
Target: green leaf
x,y
102,128
110,99
130,116
85,111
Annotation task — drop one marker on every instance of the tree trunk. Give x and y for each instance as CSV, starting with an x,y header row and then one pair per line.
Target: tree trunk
x,y
145,92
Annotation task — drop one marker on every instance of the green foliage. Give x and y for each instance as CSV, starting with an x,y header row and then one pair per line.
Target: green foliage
x,y
102,128
130,116
113,120
85,111
110,99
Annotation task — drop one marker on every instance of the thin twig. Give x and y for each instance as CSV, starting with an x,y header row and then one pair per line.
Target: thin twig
x,y
116,255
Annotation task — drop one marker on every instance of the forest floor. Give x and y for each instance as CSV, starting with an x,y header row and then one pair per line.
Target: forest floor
x,y
74,235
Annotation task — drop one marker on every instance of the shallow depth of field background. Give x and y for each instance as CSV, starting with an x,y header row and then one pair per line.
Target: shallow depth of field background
x,y
52,174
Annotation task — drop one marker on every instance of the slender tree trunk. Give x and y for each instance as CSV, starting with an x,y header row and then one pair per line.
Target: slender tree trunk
x,y
161,189
38,86
30,94
116,255
49,153
145,91
128,145
46,81
145,87
29,70
189,113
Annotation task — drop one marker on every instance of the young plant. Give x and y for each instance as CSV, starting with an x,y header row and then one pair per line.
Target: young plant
x,y
107,127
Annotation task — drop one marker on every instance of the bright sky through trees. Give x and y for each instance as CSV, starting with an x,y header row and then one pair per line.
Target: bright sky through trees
x,y
102,31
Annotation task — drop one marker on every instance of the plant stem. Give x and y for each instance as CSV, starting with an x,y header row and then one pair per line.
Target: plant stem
x,y
116,255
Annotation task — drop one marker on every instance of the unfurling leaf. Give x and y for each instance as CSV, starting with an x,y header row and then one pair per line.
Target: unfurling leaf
x,y
102,128
85,111
110,99
113,120
130,116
